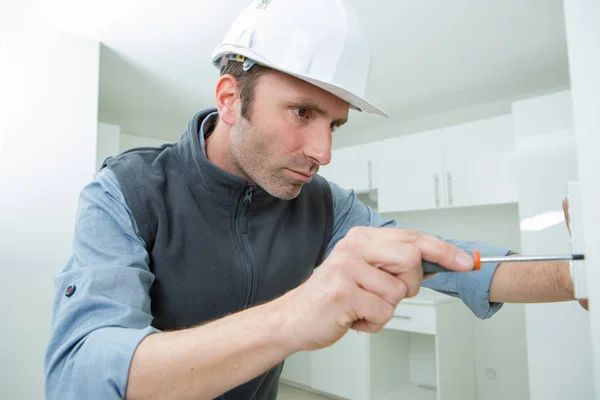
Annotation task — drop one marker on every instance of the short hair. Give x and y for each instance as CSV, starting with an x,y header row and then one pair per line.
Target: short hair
x,y
247,82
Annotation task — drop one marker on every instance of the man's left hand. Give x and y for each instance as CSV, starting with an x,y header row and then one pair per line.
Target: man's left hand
x,y
565,204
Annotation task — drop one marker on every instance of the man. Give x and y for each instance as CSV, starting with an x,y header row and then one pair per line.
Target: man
x,y
192,269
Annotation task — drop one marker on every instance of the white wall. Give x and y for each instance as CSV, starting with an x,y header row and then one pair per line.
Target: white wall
x,y
498,224
583,35
109,138
49,116
582,20
131,141
111,141
152,126
558,339
500,344
367,128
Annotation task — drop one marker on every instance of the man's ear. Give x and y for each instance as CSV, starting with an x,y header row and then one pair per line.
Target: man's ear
x,y
227,98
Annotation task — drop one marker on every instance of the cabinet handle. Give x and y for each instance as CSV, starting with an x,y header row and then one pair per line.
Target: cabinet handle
x,y
450,196
406,317
370,172
436,181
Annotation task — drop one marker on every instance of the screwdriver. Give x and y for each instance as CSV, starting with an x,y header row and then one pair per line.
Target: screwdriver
x,y
480,260
430,268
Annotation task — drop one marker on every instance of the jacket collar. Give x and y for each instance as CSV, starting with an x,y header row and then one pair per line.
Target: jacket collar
x,y
222,186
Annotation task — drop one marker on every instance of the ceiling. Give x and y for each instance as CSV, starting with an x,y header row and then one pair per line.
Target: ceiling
x,y
429,56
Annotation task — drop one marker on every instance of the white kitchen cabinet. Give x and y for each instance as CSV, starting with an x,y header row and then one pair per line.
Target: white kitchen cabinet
x,y
340,370
410,173
463,165
362,366
425,352
452,376
479,179
351,168
337,370
480,163
296,369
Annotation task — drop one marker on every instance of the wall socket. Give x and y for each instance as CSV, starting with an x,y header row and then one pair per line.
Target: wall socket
x,y
490,373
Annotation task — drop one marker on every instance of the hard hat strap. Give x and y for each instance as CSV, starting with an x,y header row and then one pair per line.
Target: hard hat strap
x,y
248,63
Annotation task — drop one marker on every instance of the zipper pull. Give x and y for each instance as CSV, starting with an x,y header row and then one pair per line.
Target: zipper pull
x,y
247,202
248,197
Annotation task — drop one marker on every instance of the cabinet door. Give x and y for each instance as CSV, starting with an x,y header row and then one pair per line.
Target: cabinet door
x,y
296,369
479,163
482,178
342,369
409,177
350,168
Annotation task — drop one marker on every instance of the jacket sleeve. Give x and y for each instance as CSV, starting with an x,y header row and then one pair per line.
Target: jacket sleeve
x,y
101,308
473,288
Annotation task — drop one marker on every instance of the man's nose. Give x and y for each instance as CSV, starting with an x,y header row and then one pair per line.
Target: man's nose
x,y
318,146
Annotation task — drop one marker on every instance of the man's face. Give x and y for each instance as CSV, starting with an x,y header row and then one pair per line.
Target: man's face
x,y
288,135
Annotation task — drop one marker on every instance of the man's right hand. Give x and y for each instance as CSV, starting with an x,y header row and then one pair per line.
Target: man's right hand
x,y
361,282
358,286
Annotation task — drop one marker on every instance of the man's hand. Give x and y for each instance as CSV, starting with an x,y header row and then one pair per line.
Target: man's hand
x,y
565,205
583,302
361,282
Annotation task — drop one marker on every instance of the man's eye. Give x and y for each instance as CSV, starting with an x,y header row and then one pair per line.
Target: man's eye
x,y
301,112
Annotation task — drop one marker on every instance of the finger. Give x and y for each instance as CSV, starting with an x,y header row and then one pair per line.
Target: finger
x,y
566,212
381,249
413,279
406,257
381,283
372,308
408,268
366,326
380,246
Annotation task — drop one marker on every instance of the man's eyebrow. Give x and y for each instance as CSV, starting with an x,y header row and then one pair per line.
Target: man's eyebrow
x,y
310,105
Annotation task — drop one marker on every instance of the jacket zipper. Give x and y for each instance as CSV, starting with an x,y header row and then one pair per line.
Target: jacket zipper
x,y
241,222
242,225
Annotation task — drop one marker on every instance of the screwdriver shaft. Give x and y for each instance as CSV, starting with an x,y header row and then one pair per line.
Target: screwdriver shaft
x,y
570,257
432,268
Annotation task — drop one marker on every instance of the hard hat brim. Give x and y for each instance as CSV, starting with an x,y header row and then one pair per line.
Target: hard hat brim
x,y
356,102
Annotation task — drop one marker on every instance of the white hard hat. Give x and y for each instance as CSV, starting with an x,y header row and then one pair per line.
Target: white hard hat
x,y
318,41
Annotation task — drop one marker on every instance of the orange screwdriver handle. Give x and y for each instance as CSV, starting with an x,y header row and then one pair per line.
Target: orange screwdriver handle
x,y
477,260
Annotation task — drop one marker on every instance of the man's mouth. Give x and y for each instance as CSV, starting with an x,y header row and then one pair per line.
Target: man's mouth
x,y
302,176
